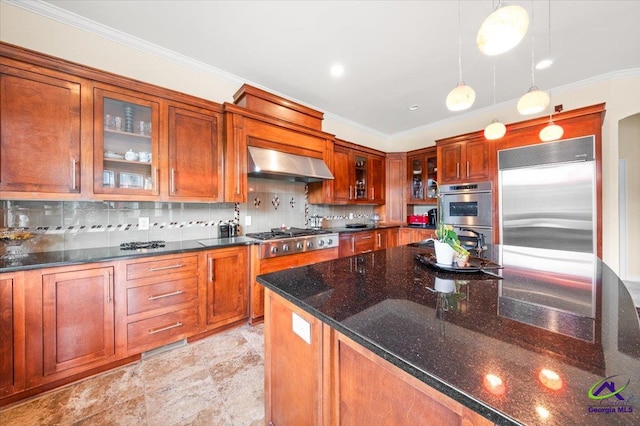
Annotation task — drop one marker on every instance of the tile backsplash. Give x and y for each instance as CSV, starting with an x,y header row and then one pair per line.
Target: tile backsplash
x,y
72,225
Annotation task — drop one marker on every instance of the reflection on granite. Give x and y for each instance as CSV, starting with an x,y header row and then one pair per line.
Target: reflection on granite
x,y
71,257
388,302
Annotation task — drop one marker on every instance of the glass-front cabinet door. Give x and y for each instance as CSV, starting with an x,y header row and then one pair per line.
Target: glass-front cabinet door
x,y
125,144
423,172
360,191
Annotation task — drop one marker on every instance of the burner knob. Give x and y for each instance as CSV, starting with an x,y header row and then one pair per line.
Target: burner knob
x,y
309,244
274,250
329,241
299,246
285,247
321,243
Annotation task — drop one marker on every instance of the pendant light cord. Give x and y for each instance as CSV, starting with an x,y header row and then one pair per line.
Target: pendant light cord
x,y
459,45
533,48
494,84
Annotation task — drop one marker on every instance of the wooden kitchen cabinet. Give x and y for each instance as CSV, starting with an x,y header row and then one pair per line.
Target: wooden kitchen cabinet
x,y
78,328
195,154
359,175
422,167
414,235
352,243
227,286
161,295
394,209
40,132
118,141
12,331
466,161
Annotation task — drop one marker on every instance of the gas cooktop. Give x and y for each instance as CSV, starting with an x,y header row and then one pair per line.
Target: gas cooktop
x,y
280,233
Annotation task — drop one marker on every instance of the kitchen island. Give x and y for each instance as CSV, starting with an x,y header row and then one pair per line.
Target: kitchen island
x,y
383,338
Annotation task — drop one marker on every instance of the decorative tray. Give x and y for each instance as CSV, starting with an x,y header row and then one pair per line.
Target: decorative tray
x,y
475,264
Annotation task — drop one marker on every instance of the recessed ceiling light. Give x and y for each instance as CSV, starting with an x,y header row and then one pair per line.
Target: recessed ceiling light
x,y
413,107
545,63
337,70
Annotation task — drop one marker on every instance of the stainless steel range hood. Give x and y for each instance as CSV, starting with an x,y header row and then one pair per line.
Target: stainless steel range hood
x,y
272,164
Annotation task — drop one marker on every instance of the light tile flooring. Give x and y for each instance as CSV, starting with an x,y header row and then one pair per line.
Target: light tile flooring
x,y
214,381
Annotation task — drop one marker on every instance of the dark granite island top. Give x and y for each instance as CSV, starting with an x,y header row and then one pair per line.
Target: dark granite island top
x,y
529,348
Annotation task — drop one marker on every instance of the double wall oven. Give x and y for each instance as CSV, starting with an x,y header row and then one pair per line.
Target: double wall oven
x,y
283,249
468,207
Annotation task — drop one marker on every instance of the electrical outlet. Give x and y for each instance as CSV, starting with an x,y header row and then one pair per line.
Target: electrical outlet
x,y
143,223
247,220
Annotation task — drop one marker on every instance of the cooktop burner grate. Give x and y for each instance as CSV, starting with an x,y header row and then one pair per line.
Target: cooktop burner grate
x,y
279,233
135,245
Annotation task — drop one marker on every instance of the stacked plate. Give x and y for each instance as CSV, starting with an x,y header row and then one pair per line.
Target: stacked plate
x,y
128,118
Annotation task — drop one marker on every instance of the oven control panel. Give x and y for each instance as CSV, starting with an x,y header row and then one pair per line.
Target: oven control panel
x,y
290,246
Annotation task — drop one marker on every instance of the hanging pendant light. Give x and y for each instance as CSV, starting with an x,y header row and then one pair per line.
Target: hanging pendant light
x,y
462,96
551,131
503,30
495,129
535,100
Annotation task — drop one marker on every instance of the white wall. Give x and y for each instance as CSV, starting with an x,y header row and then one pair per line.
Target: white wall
x,y
43,34
630,151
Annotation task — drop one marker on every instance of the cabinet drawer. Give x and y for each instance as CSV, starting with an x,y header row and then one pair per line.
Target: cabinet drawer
x,y
363,242
157,331
161,267
154,296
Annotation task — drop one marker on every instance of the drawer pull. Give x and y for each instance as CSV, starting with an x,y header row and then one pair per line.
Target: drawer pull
x,y
162,268
168,327
161,296
368,237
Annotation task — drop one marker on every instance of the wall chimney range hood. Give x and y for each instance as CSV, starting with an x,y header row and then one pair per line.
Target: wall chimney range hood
x,y
272,164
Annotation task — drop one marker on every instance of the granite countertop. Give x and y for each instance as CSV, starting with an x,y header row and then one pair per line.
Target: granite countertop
x,y
101,254
562,311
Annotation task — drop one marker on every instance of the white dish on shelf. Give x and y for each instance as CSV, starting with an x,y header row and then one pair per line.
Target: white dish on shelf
x,y
109,154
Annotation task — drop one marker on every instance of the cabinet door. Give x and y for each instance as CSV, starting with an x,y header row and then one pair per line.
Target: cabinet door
x,y
11,335
195,159
380,239
377,179
78,319
450,157
343,175
417,181
364,242
39,133
125,144
346,245
477,160
227,285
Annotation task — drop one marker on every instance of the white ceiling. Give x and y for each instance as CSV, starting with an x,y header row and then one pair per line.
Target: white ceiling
x,y
395,53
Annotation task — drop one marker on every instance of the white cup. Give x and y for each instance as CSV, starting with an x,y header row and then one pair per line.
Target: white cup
x,y
130,155
144,156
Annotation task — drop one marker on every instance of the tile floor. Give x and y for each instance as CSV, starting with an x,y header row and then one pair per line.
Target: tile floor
x,y
214,381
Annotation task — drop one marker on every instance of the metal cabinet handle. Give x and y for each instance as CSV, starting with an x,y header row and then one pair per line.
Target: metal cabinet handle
x,y
366,251
168,327
379,240
173,181
367,237
353,245
162,268
109,288
467,169
212,273
373,193
457,170
73,173
350,188
162,296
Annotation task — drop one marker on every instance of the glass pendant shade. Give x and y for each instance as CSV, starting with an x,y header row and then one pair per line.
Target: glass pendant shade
x,y
495,130
461,97
551,132
502,30
534,101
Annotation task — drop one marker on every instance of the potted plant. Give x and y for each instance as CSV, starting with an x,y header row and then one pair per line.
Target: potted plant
x,y
448,247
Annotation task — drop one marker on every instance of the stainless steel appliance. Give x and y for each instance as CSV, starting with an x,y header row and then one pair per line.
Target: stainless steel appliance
x,y
228,230
547,195
290,241
273,164
468,207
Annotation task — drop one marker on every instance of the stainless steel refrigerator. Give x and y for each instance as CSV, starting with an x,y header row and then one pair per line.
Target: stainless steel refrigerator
x,y
547,195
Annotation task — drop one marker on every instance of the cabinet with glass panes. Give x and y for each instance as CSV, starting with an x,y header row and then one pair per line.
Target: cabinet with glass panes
x,y
125,144
422,166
